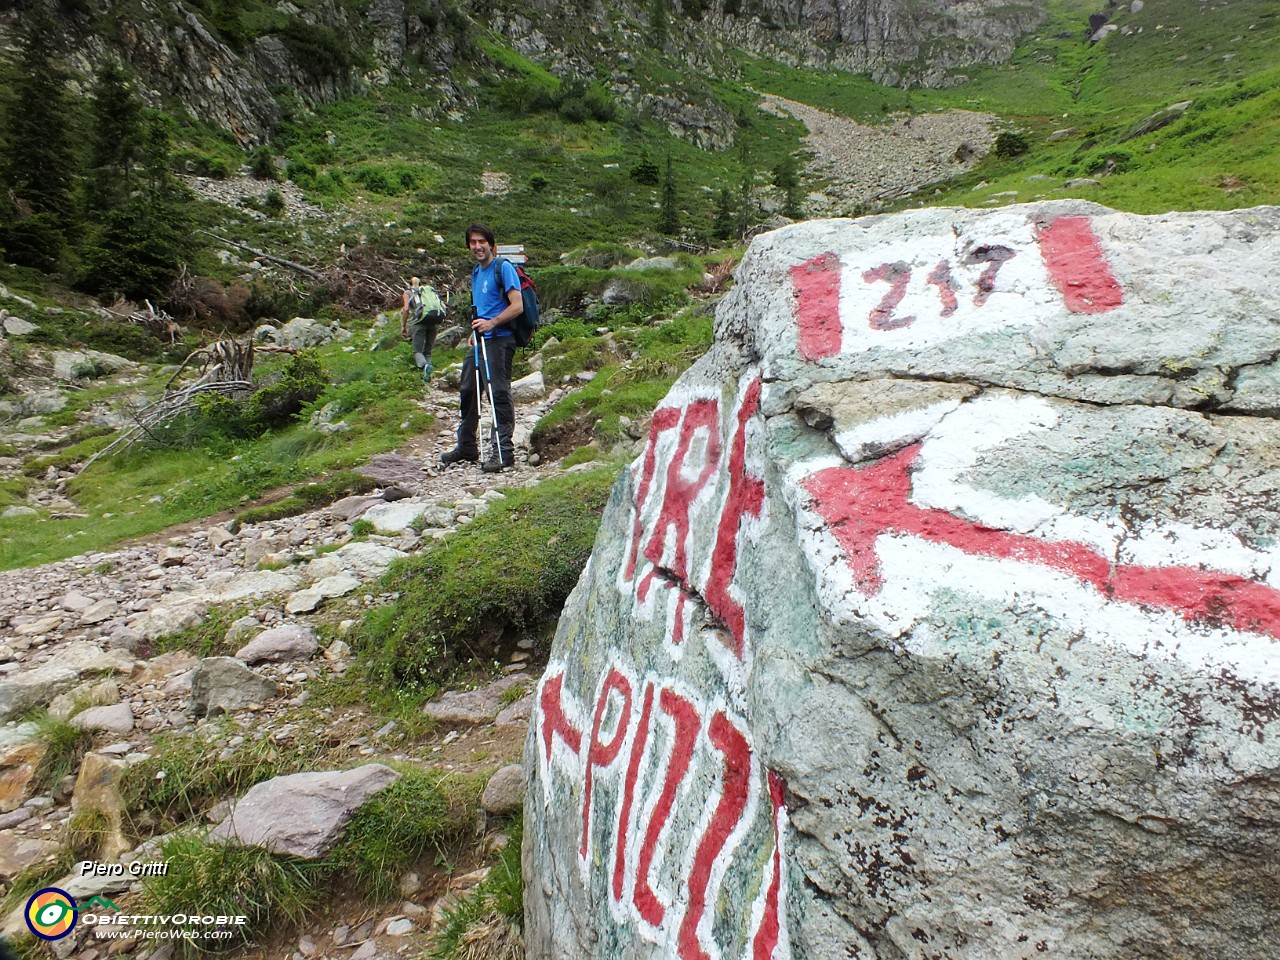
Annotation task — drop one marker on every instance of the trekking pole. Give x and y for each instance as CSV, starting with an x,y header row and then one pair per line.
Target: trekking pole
x,y
497,437
475,363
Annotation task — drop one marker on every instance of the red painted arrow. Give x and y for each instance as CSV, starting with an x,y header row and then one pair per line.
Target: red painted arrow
x,y
860,504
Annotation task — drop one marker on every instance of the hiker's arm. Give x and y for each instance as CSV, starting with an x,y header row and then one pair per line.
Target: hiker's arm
x,y
404,315
513,309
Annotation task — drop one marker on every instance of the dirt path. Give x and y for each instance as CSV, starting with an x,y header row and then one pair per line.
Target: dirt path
x,y
862,165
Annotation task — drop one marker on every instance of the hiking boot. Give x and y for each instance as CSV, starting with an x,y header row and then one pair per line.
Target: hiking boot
x,y
458,455
426,372
493,465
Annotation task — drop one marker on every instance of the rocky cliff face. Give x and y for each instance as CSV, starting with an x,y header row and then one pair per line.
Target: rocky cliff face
x,y
895,42
939,617
178,58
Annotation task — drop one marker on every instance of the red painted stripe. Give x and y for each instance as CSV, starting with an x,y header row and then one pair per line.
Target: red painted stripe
x,y
629,791
735,790
677,629
664,418
678,494
770,929
1203,595
603,754
554,719
816,285
745,499
1078,266
683,740
861,504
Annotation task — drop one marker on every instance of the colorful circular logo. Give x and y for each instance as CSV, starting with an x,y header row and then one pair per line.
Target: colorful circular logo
x,y
51,913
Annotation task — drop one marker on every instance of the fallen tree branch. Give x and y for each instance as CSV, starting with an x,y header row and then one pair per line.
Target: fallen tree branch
x,y
262,255
225,368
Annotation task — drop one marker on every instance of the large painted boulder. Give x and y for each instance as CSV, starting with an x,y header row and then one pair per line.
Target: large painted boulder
x,y
940,617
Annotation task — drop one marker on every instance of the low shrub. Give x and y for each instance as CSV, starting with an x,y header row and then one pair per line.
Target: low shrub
x,y
1010,144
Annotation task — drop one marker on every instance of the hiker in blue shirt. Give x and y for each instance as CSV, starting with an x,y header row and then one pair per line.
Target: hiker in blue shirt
x,y
496,301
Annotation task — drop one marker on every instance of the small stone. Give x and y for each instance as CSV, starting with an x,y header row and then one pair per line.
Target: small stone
x,y
401,927
410,884
504,793
116,718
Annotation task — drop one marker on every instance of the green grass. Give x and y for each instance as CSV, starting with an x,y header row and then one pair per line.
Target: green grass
x,y
85,832
422,813
310,496
1219,156
512,566
222,879
65,745
583,197
631,389
186,774
208,638
140,491
493,913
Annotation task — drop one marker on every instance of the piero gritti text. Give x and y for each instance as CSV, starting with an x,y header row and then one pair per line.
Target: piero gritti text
x,y
93,868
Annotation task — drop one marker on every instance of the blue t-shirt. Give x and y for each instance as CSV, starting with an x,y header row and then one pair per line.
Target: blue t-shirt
x,y
489,297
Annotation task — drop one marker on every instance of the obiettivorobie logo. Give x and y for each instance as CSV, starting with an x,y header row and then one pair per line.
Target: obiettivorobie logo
x,y
51,913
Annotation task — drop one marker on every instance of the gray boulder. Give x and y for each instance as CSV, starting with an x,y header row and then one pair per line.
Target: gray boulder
x,y
224,685
939,615
27,689
41,402
302,814
302,332
504,793
289,641
114,718
17,327
529,388
481,705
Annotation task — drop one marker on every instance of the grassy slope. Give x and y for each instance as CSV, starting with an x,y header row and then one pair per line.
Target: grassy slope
x,y
1219,155
142,491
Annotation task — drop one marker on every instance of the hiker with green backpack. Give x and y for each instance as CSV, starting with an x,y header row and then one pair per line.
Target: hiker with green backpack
x,y
496,302
422,308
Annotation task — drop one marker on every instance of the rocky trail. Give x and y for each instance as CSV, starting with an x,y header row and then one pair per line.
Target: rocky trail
x,y
97,630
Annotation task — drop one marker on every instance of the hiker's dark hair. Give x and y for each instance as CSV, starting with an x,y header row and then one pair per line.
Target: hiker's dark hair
x,y
483,230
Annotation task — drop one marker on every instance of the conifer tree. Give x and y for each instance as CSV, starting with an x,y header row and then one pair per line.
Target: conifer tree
x,y
659,29
724,216
786,177
669,216
115,140
37,162
134,247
